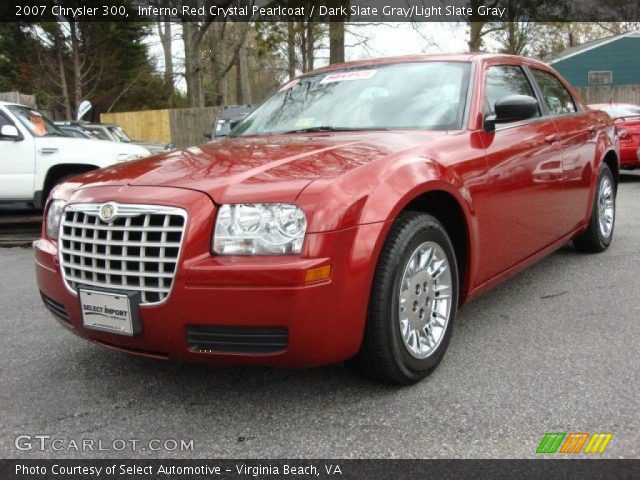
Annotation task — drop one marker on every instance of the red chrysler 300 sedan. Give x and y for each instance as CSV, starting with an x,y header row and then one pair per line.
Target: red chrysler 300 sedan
x,y
346,218
627,119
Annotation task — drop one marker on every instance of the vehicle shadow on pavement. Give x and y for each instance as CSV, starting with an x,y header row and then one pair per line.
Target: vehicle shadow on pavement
x,y
627,177
198,382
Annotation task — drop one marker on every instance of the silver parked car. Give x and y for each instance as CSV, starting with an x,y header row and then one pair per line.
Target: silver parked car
x,y
110,131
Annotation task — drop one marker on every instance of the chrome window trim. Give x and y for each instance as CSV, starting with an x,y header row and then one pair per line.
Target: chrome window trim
x,y
547,118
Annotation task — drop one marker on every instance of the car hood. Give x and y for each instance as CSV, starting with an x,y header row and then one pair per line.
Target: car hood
x,y
262,168
154,147
93,146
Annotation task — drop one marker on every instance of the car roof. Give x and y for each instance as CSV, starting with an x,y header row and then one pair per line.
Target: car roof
x,y
97,125
458,57
603,105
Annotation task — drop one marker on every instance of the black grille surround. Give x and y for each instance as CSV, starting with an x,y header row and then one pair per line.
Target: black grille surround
x,y
248,340
56,308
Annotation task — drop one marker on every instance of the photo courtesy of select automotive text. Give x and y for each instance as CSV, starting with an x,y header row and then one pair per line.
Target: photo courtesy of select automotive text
x,y
335,239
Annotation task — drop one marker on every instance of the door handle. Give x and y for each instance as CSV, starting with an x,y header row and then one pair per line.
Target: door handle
x,y
591,128
551,138
48,150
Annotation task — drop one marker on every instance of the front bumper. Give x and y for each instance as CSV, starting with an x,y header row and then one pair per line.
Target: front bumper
x,y
324,320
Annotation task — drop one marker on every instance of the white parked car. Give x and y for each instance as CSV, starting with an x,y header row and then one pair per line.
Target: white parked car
x,y
35,154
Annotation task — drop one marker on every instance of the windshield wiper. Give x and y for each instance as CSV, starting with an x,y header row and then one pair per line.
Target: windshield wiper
x,y
316,129
312,130
332,129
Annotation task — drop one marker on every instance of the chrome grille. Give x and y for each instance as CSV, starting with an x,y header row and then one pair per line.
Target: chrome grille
x,y
135,250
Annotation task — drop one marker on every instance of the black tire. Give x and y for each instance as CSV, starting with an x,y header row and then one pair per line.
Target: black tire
x,y
593,240
383,355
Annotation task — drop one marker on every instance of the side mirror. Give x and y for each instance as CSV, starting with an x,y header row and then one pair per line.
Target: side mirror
x,y
512,108
207,135
10,132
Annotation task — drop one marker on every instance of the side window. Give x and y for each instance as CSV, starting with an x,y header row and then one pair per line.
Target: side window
x,y
502,81
4,120
558,99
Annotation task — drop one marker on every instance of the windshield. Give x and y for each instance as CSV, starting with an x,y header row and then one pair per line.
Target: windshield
x,y
120,135
621,111
37,124
72,132
98,133
423,96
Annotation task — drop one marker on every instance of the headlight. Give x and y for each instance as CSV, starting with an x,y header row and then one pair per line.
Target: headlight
x,y
54,216
259,229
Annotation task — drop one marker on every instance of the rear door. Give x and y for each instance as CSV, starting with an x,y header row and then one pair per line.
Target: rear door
x,y
577,133
17,164
524,177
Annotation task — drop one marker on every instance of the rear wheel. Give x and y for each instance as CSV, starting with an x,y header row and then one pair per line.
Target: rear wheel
x,y
597,237
413,302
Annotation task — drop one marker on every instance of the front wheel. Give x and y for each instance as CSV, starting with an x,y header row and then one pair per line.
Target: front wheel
x,y
413,302
597,237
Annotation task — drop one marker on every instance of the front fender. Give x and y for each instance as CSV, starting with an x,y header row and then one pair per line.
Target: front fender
x,y
378,195
378,192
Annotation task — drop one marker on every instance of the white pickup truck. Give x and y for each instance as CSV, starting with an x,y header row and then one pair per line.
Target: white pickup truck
x,y
35,155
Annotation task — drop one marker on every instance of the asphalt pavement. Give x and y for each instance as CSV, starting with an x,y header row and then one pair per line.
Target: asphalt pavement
x,y
554,349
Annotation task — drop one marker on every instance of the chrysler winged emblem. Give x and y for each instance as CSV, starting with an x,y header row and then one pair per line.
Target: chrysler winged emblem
x,y
107,212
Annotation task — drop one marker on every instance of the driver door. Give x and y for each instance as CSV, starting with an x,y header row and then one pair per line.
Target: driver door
x,y
524,180
17,164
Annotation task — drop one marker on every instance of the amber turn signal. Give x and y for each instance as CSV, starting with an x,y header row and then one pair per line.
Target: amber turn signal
x,y
317,274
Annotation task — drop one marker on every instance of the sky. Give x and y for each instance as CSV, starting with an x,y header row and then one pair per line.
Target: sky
x,y
391,39
365,41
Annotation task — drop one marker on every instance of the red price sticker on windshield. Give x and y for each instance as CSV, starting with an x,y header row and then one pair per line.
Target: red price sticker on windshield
x,y
343,76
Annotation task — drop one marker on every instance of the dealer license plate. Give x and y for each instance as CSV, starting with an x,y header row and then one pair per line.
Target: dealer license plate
x,y
108,312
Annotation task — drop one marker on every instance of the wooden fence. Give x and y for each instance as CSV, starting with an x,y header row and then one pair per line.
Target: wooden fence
x,y
181,126
617,94
17,97
151,125
189,124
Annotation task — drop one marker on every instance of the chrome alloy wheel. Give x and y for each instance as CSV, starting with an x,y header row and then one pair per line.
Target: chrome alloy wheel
x,y
606,206
424,300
